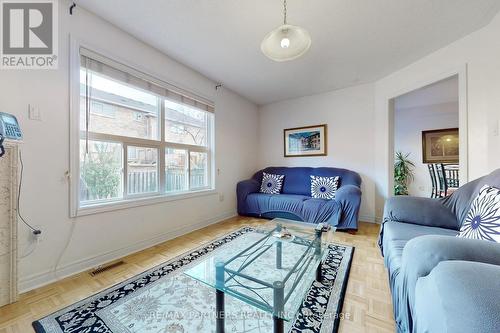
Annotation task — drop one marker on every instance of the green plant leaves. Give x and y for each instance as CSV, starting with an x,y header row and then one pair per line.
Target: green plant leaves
x,y
403,173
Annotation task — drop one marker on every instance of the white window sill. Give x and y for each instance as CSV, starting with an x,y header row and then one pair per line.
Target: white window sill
x,y
137,202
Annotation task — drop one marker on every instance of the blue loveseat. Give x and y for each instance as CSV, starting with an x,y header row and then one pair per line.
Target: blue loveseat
x,y
440,283
295,200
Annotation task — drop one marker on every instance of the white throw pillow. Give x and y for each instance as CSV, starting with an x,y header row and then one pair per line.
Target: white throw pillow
x,y
324,187
271,183
483,218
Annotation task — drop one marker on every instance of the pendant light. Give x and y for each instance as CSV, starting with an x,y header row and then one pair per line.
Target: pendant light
x,y
286,42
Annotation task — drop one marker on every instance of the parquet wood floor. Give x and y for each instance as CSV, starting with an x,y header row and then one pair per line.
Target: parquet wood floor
x,y
367,304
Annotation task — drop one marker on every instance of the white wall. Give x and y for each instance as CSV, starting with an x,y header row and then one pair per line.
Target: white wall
x,y
480,52
45,196
408,126
349,116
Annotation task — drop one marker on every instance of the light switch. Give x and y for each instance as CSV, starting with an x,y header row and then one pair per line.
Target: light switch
x,y
34,112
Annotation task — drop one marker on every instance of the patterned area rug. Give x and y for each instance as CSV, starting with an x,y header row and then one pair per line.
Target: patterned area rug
x,y
164,300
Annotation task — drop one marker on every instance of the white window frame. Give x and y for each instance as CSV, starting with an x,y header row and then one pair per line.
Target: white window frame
x,y
129,200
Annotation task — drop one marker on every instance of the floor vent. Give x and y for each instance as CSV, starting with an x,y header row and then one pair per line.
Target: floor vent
x,y
102,269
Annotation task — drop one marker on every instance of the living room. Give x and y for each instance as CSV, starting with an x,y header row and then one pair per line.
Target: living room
x,y
143,138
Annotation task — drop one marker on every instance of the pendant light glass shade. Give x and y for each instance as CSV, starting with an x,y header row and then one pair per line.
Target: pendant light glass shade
x,y
286,42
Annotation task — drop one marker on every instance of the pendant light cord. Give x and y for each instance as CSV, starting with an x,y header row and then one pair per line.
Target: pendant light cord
x,y
284,12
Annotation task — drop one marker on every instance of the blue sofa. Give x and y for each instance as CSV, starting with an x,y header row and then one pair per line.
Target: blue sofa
x,y
440,283
295,201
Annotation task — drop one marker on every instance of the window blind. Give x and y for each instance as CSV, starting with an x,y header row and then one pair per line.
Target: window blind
x,y
97,63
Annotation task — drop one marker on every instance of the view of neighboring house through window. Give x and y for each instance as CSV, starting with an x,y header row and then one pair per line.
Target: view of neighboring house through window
x,y
103,109
114,107
185,125
138,139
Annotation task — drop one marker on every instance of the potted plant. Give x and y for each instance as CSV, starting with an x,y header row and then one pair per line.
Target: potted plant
x,y
403,173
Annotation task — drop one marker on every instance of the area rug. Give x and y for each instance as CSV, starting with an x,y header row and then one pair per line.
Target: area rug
x,y
164,300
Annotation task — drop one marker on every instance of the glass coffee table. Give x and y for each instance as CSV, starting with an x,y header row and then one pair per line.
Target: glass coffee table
x,y
270,268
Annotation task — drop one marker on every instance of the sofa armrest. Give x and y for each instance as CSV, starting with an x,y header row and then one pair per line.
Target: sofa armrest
x,y
349,199
422,254
243,189
421,211
446,298
348,193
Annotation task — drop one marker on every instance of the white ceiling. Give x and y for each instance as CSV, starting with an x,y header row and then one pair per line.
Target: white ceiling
x,y
445,91
353,41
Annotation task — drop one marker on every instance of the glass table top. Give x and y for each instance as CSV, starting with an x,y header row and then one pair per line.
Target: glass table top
x,y
271,268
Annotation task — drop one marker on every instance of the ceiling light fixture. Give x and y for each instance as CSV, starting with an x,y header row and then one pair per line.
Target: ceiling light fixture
x,y
286,42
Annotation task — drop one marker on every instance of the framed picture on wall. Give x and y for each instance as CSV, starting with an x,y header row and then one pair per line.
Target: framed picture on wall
x,y
440,146
305,141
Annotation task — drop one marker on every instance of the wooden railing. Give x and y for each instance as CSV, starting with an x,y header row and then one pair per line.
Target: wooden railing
x,y
146,181
142,182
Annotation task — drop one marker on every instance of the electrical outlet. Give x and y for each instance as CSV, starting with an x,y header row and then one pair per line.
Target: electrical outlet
x,y
37,236
34,112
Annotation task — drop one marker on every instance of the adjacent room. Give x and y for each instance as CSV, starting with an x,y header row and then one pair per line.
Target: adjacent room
x,y
426,139
249,166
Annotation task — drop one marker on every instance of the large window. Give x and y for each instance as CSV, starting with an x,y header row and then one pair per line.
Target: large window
x,y
139,138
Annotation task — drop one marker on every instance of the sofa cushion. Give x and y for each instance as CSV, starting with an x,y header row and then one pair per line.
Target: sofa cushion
x,y
305,208
317,210
483,218
474,308
397,234
262,203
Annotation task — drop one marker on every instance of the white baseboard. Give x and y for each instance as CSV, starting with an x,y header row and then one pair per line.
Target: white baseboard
x,y
40,279
369,218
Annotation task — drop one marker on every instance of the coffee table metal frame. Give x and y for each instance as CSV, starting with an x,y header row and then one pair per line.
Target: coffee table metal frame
x,y
313,252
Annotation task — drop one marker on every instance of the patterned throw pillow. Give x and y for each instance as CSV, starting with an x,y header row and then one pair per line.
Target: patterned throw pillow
x,y
271,183
483,219
324,187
